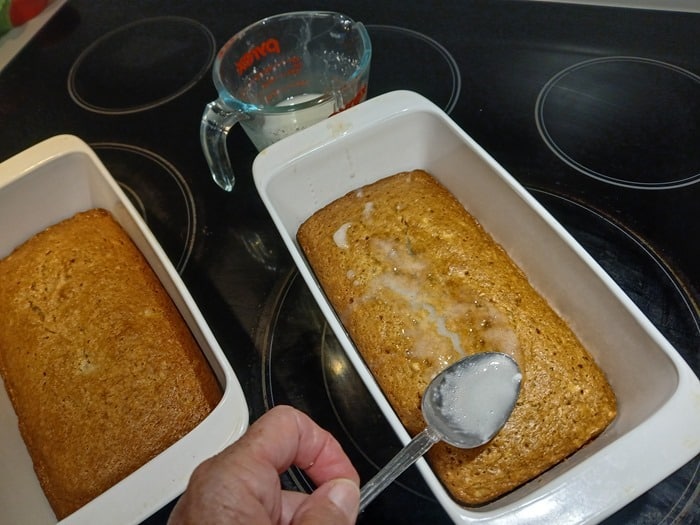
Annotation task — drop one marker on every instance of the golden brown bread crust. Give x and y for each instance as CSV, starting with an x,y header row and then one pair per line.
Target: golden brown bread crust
x,y
100,366
417,284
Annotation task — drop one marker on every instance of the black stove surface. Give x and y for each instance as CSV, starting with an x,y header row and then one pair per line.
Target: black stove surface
x,y
595,110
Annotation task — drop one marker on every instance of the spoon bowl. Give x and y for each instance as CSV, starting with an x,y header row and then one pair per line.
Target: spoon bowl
x,y
465,405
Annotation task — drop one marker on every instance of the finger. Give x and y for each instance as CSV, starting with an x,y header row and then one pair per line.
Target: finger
x,y
291,501
336,502
325,459
214,497
244,477
285,436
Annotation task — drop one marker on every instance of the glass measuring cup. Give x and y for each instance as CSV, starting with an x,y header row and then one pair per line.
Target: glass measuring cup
x,y
280,75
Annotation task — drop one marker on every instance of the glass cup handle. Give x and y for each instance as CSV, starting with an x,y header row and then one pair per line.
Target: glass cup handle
x,y
217,121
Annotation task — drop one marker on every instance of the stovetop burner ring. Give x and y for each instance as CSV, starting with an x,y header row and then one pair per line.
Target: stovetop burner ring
x,y
141,65
159,192
392,67
624,120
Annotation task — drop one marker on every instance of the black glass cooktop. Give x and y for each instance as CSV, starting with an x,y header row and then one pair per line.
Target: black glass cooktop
x,y
595,110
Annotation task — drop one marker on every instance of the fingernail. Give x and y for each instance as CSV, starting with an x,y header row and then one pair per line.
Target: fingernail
x,y
345,495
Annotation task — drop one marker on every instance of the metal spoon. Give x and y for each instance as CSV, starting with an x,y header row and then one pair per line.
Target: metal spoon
x,y
465,405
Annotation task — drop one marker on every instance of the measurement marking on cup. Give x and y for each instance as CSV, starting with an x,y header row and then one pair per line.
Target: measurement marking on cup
x,y
359,97
271,45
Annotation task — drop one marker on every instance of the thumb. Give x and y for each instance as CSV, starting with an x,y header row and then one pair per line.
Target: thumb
x,y
336,501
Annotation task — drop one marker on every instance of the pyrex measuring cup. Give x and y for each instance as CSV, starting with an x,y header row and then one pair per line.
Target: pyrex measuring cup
x,y
280,75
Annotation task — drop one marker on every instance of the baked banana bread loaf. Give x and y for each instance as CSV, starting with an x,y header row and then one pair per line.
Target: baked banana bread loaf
x,y
418,284
100,367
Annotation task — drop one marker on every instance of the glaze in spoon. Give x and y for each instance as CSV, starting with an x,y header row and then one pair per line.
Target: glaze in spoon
x,y
465,405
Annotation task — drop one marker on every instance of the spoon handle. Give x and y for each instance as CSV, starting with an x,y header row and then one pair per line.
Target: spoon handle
x,y
406,457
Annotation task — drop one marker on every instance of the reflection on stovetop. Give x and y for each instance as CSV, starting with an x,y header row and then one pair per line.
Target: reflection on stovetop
x,y
595,110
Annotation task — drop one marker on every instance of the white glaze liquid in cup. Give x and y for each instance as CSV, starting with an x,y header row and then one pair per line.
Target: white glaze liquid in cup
x,y
279,125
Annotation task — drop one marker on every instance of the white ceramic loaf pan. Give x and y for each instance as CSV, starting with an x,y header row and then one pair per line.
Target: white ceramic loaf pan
x,y
658,426
39,187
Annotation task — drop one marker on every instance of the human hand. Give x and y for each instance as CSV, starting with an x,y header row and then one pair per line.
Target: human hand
x,y
241,485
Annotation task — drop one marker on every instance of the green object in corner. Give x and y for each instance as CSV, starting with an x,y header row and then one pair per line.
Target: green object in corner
x,y
5,23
